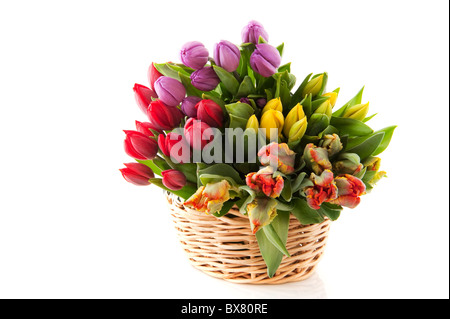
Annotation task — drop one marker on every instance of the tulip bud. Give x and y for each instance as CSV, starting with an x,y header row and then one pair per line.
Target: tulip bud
x,y
313,87
194,55
205,79
252,31
140,146
261,211
333,98
194,133
245,100
173,179
372,163
227,55
265,60
264,181
273,104
294,115
143,96
210,198
316,158
332,143
325,108
137,173
298,130
181,154
357,112
164,117
349,190
348,163
169,90
188,105
210,112
277,156
144,128
272,119
253,123
261,102
153,75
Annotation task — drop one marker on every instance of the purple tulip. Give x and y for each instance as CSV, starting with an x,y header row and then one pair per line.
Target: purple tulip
x,y
252,31
194,55
227,55
170,91
265,60
188,105
205,79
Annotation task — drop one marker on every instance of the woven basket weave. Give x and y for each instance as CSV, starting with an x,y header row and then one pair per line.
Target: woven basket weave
x,y
226,248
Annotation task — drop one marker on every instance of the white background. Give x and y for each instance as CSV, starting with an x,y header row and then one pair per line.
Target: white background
x,y
71,227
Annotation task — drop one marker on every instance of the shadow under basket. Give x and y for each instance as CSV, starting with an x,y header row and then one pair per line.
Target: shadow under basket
x,y
226,248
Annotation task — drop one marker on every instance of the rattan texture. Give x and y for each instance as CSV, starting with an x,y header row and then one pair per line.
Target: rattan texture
x,y
226,248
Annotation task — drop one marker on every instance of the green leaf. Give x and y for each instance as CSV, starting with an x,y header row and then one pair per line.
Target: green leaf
x,y
242,110
369,118
238,122
271,255
298,181
246,87
305,214
213,178
285,67
368,147
331,211
273,237
317,123
297,97
225,208
222,170
228,79
251,196
324,85
352,127
286,193
354,101
388,132
280,49
165,70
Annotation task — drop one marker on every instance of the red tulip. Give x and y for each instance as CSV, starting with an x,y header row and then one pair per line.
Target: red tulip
x,y
153,75
210,112
140,146
144,128
173,179
180,154
137,173
194,132
143,96
164,117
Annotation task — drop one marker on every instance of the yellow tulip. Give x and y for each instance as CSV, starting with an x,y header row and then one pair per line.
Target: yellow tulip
x,y
272,119
252,123
313,87
293,116
325,108
333,97
298,130
357,112
274,104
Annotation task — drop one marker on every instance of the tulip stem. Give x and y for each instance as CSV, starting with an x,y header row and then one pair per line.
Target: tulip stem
x,y
236,75
168,160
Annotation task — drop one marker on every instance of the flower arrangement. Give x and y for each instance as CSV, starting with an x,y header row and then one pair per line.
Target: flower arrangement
x,y
230,131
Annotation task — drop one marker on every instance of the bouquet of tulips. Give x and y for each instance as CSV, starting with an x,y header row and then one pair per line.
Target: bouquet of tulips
x,y
231,131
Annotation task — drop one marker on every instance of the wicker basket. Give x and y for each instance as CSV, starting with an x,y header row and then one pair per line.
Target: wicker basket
x,y
226,248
